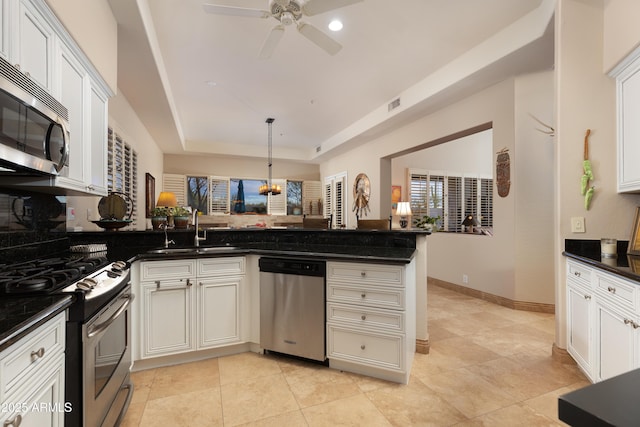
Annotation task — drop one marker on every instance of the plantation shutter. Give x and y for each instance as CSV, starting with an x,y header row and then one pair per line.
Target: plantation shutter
x,y
218,195
471,197
277,204
177,184
336,199
311,195
339,199
122,167
454,213
419,192
328,205
436,197
486,202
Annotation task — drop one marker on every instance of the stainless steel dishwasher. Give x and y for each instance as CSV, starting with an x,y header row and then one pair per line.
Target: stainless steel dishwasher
x,y
292,307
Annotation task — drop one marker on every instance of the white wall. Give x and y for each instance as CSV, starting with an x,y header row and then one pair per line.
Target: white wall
x,y
209,164
94,28
585,99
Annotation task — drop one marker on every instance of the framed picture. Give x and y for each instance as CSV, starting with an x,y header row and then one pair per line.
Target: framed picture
x,y
634,243
150,194
396,196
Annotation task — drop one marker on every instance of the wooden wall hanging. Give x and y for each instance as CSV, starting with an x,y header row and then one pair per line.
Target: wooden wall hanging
x,y
503,172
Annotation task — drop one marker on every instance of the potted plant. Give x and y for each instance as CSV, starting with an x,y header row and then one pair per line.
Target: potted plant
x,y
180,217
427,222
159,217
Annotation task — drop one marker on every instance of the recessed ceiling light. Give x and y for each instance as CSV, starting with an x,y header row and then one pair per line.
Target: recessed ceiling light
x,y
211,83
335,25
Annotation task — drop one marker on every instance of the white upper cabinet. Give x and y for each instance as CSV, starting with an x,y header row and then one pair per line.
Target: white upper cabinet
x,y
627,75
4,29
34,48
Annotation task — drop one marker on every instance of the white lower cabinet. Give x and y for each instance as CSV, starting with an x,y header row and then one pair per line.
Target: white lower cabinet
x,y
370,319
32,378
603,321
189,305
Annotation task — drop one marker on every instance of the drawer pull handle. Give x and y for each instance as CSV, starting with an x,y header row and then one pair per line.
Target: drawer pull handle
x,y
587,297
576,273
14,422
627,321
635,325
363,317
363,273
363,295
362,347
35,355
189,282
611,289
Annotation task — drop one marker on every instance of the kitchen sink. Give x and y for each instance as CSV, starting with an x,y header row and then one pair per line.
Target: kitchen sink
x,y
168,251
209,249
193,250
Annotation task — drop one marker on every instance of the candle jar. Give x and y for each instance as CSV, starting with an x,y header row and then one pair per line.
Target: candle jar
x,y
609,248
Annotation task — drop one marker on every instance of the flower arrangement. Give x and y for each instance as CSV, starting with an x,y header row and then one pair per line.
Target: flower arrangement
x,y
427,222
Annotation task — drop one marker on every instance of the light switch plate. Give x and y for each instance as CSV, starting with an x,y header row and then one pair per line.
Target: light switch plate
x,y
577,224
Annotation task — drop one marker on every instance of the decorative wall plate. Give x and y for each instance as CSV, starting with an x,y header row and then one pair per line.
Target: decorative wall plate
x,y
361,193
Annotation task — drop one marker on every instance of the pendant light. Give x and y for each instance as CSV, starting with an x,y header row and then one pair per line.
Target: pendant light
x,y
270,188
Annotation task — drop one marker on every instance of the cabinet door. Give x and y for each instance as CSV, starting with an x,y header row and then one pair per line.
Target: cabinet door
x,y
628,96
218,311
4,28
579,323
47,395
35,46
167,317
73,82
98,141
616,342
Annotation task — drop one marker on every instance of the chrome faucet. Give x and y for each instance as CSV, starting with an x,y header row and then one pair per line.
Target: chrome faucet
x,y
197,238
167,242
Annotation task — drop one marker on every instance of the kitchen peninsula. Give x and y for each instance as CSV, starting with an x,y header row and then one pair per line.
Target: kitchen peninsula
x,y
371,257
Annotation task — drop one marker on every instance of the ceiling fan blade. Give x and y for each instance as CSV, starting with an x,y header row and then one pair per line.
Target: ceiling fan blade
x,y
271,42
235,11
319,38
314,7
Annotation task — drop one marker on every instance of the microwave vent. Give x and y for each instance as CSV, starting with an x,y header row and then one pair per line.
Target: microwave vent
x,y
16,77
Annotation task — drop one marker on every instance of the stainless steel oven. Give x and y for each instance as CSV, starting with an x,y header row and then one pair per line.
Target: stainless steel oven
x,y
107,361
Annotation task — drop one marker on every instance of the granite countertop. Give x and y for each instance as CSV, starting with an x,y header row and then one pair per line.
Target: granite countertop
x,y
588,251
613,402
20,315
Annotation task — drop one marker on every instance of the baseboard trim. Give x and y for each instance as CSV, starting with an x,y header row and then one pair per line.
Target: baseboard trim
x,y
561,355
505,302
422,346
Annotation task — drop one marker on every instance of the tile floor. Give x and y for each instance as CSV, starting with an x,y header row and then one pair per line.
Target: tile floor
x,y
488,366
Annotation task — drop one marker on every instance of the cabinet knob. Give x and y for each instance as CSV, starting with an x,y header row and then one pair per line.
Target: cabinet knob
x,y
611,289
363,273
587,297
576,273
627,321
635,325
362,347
363,295
363,317
14,422
37,354
189,282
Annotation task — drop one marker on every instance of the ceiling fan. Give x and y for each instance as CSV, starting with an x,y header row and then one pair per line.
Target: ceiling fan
x,y
288,12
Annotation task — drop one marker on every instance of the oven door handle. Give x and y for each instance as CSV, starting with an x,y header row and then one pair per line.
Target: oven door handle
x,y
96,329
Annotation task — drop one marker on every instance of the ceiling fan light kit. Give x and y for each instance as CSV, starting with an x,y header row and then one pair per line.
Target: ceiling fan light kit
x,y
288,12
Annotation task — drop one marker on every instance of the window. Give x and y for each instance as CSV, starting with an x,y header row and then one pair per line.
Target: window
x,y
450,196
122,171
335,199
215,195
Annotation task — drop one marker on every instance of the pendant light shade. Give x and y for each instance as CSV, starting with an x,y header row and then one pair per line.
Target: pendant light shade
x,y
270,188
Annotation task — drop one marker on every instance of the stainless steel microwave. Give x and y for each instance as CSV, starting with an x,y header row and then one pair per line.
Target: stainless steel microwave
x,y
34,127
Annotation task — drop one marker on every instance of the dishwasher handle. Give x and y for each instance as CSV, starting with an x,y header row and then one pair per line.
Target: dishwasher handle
x,y
293,266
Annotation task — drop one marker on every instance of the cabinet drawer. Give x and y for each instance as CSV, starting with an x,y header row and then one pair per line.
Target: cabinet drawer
x,y
23,360
221,266
365,274
366,296
169,269
582,274
366,317
616,290
369,348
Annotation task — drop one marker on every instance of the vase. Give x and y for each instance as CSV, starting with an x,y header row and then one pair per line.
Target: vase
x,y
181,222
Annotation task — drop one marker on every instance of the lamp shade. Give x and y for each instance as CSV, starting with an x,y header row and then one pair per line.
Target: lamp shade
x,y
167,199
470,220
403,209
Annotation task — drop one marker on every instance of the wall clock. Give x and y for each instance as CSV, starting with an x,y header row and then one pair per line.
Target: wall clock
x,y
361,192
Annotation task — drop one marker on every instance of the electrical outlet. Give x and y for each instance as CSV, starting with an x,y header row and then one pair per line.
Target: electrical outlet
x,y
577,224
465,278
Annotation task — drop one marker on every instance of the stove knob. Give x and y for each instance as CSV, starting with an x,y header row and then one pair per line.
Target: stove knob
x,y
91,281
120,265
84,286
